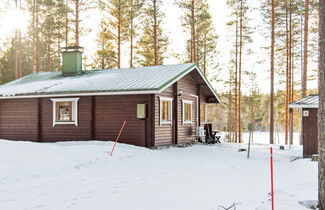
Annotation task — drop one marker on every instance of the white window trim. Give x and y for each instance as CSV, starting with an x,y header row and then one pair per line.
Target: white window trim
x,y
161,99
74,111
189,122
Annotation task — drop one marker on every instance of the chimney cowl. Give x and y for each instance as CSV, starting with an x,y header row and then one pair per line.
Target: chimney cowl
x,y
72,60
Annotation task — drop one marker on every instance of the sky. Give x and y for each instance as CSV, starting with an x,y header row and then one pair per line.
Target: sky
x,y
172,27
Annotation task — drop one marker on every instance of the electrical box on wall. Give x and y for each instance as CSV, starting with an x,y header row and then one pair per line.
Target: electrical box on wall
x,y
305,113
141,111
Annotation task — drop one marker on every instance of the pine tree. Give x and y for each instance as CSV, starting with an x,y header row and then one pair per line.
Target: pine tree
x,y
239,20
18,46
75,15
151,48
135,9
202,42
272,73
106,56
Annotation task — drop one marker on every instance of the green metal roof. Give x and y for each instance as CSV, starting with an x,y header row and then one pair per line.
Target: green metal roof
x,y
153,79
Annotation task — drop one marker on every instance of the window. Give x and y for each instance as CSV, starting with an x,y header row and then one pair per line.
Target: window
x,y
65,111
165,110
187,112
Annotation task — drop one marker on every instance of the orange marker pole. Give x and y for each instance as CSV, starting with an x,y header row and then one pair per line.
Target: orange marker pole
x,y
118,136
272,186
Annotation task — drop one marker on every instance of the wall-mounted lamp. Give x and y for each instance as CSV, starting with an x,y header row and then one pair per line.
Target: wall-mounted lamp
x,y
180,93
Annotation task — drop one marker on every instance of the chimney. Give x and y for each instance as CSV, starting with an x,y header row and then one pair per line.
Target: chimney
x,y
72,60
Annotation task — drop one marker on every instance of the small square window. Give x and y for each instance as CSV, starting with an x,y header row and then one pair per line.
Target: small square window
x,y
65,111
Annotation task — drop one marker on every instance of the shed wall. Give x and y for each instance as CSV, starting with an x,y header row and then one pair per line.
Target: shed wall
x,y
99,117
112,111
186,131
165,134
310,133
55,133
19,119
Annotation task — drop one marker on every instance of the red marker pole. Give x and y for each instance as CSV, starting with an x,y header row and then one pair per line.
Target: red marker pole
x,y
118,136
272,187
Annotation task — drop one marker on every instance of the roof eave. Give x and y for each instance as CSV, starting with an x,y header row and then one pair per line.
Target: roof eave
x,y
312,106
137,92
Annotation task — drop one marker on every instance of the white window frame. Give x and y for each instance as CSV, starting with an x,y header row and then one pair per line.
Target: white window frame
x,y
74,109
161,99
188,122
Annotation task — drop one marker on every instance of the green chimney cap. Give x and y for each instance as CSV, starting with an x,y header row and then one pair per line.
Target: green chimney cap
x,y
72,60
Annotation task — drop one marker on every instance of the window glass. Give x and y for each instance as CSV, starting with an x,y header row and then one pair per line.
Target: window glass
x,y
63,111
187,112
166,111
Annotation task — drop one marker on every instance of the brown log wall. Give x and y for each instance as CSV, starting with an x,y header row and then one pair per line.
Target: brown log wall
x,y
310,133
164,134
113,110
185,131
19,119
66,132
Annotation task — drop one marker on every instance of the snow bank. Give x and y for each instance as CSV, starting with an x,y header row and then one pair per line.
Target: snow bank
x,y
82,176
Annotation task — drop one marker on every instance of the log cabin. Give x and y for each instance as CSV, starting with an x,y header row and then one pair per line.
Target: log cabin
x,y
161,104
309,129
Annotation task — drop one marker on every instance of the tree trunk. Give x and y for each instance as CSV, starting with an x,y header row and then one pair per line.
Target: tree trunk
x,y
292,89
119,36
205,57
37,57
34,37
66,23
240,69
321,111
304,73
131,34
229,109
77,22
155,28
287,79
194,52
272,75
236,85
18,47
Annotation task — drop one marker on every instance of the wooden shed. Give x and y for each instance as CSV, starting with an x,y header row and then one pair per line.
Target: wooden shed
x,y
309,130
161,104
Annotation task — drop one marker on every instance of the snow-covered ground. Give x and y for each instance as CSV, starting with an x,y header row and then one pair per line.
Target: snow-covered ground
x,y
82,176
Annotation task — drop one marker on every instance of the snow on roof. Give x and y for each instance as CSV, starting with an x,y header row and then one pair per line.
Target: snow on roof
x,y
143,80
310,101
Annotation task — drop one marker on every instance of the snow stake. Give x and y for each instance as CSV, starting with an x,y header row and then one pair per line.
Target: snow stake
x,y
118,136
272,187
